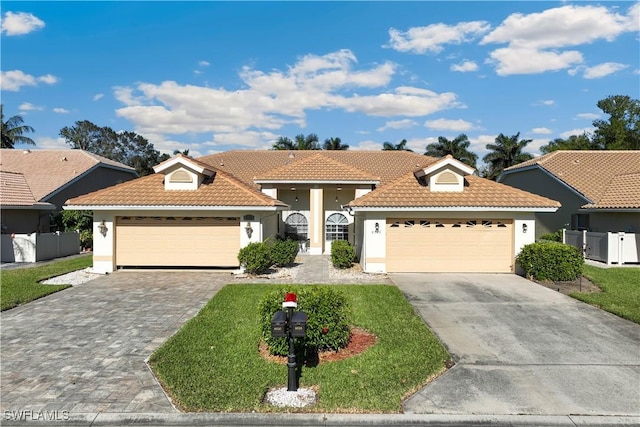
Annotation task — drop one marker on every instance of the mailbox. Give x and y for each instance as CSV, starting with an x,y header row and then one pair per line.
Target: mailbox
x,y
279,324
299,324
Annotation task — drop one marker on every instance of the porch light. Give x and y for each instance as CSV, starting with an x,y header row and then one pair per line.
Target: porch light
x,y
103,228
524,228
248,229
377,228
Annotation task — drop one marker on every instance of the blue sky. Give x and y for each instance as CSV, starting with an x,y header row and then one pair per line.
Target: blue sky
x,y
214,76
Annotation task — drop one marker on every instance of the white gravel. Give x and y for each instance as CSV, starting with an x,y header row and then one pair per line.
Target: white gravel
x,y
294,399
75,278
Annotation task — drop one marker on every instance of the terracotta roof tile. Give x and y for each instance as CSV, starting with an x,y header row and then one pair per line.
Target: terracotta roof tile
x,y
47,170
478,192
316,167
15,192
588,172
220,190
623,192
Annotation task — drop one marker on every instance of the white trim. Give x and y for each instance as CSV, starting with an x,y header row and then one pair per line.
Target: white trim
x,y
173,208
608,210
448,161
184,162
452,209
305,181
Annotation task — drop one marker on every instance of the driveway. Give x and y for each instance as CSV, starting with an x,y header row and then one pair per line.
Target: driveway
x,y
521,348
83,349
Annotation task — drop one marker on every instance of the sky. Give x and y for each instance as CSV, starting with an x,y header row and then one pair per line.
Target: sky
x,y
214,76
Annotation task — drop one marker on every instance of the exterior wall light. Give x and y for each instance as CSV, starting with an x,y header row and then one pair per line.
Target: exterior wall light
x,y
377,228
103,228
248,229
524,228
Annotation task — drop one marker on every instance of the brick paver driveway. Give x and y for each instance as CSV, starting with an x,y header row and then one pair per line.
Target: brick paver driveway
x,y
84,349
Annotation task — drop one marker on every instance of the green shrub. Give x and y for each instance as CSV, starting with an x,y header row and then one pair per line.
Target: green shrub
x,y
551,261
328,321
554,237
283,252
255,258
342,254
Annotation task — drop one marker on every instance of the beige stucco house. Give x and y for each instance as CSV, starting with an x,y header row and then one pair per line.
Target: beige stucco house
x,y
36,183
400,210
599,190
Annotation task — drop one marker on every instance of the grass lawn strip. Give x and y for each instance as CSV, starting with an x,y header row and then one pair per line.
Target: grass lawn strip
x,y
620,291
213,363
19,286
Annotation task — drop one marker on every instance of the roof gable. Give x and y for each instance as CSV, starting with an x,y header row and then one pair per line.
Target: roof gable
x,y
445,175
623,192
15,192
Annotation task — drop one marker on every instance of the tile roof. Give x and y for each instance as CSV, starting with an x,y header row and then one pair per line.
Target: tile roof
x,y
623,192
478,193
384,165
15,192
48,170
219,190
589,172
317,167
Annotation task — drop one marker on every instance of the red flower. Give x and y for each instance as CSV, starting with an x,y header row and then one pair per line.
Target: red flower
x,y
325,330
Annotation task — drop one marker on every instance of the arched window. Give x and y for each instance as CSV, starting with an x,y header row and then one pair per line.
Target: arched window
x,y
336,227
296,227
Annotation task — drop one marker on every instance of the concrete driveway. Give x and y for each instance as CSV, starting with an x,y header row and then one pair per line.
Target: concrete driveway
x,y
521,348
83,350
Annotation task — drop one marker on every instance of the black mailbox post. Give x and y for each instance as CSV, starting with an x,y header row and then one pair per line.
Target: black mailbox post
x,y
292,325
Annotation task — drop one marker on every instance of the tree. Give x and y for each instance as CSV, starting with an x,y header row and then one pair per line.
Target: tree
x,y
301,142
574,142
13,131
505,152
125,147
334,144
622,130
458,147
183,152
401,146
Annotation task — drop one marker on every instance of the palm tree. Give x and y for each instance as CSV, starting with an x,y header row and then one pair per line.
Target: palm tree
x,y
334,144
401,146
13,131
458,147
284,143
309,142
507,151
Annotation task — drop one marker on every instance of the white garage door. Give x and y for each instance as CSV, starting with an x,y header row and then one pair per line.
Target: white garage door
x,y
177,241
449,245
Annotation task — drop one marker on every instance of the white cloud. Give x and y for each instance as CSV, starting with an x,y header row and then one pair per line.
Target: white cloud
x,y
397,124
432,38
366,145
419,145
458,125
602,70
545,102
535,40
578,131
270,100
542,131
15,24
478,144
48,143
203,64
98,96
534,146
60,110
588,116
465,66
14,80
27,106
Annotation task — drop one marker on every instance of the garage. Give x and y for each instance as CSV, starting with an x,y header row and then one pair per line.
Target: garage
x,y
479,245
177,241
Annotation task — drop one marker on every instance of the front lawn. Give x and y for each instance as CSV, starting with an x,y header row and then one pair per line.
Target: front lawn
x,y
19,286
213,363
620,291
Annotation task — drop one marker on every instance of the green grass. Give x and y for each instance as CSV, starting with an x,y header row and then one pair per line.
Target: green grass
x,y
620,291
213,363
19,286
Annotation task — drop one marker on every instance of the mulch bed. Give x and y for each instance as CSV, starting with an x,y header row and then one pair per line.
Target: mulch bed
x,y
581,284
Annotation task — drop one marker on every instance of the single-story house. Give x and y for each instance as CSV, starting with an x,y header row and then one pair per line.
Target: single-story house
x,y
403,212
36,183
599,190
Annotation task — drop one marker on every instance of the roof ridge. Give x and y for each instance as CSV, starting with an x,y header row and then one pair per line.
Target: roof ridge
x,y
314,156
255,193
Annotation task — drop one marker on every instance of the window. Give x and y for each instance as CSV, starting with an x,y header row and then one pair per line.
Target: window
x,y
336,227
296,227
447,178
180,176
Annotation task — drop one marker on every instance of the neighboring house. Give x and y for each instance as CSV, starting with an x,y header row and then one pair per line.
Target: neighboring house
x,y
402,211
599,190
36,183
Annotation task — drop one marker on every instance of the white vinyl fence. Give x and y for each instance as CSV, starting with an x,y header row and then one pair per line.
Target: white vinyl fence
x,y
610,248
39,246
